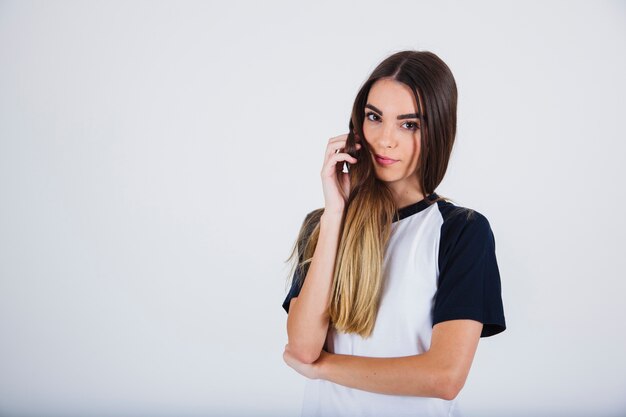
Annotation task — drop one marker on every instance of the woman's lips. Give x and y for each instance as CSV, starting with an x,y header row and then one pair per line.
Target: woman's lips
x,y
384,161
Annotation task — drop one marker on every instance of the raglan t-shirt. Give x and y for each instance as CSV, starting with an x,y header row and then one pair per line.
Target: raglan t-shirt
x,y
440,264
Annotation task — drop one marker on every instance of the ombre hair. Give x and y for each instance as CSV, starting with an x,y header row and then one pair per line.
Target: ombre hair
x,y
370,209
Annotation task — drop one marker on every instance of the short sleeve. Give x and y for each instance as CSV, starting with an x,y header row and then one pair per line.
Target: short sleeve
x,y
301,271
469,279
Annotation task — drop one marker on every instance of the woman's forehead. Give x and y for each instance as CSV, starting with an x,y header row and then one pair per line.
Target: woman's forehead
x,y
392,97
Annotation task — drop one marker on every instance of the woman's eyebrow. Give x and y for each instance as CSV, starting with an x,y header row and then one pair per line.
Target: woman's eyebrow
x,y
402,116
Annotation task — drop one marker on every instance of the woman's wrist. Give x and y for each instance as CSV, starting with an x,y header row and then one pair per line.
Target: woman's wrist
x,y
322,364
332,216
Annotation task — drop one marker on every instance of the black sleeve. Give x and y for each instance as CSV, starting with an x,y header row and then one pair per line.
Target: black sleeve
x,y
300,272
469,280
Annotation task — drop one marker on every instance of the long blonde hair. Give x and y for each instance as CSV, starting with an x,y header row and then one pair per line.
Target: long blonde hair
x,y
370,209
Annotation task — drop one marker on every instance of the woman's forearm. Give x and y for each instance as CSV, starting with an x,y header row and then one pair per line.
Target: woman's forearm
x,y
440,372
307,323
416,375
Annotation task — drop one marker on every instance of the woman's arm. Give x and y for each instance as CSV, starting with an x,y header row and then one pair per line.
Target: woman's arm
x,y
307,323
440,372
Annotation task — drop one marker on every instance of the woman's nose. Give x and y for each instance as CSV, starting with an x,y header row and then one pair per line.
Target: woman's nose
x,y
386,138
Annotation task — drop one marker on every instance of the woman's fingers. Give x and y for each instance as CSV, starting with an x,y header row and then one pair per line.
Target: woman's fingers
x,y
341,156
332,162
335,186
335,154
338,143
340,150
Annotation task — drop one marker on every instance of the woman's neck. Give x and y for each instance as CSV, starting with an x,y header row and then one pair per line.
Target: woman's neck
x,y
406,196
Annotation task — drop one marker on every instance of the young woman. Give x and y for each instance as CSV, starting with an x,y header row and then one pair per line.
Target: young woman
x,y
395,284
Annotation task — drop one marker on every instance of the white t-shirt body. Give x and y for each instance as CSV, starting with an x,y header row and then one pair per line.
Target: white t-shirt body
x,y
426,237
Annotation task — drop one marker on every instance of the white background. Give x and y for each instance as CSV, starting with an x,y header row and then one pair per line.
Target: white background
x,y
158,158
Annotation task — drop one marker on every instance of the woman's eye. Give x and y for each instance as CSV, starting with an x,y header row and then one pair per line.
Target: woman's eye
x,y
368,114
374,118
414,126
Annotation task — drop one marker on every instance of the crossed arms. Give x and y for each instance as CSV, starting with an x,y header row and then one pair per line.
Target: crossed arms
x,y
439,372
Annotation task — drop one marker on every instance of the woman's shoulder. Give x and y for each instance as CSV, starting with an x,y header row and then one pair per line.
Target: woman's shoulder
x,y
458,217
309,223
314,215
311,220
451,209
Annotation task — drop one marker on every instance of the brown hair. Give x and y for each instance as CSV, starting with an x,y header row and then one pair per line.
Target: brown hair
x,y
370,209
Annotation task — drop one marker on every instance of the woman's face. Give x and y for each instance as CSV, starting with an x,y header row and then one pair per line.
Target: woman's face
x,y
391,128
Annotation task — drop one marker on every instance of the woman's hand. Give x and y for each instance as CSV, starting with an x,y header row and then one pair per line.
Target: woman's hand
x,y
309,370
335,183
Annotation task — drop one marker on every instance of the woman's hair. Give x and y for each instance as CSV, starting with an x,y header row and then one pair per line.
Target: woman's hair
x,y
370,208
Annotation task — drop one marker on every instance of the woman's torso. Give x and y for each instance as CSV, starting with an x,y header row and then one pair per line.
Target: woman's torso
x,y
403,324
